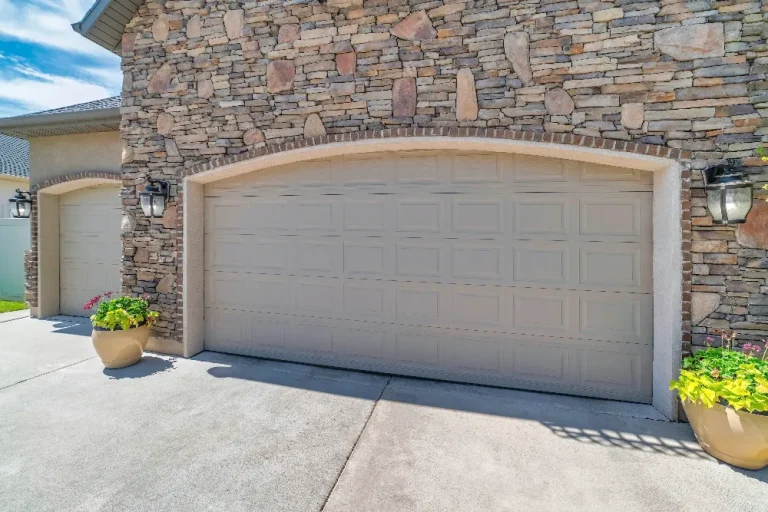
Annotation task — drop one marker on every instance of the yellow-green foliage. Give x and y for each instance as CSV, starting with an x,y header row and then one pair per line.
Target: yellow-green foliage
x,y
720,374
122,312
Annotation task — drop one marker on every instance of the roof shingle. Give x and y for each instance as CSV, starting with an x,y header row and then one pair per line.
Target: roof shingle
x,y
112,102
14,157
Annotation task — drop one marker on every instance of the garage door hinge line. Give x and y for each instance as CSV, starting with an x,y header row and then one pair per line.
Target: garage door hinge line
x,y
354,446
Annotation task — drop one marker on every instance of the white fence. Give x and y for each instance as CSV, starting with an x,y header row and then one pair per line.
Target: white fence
x,y
14,240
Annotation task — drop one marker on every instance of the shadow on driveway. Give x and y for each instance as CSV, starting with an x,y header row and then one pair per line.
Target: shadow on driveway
x,y
148,365
78,326
604,423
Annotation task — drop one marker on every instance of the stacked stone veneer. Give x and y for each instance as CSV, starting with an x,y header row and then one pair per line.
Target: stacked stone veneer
x,y
212,79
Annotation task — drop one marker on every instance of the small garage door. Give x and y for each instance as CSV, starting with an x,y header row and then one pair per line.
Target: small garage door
x,y
496,269
89,230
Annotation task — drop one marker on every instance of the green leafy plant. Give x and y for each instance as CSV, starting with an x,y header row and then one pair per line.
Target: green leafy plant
x,y
763,154
738,378
121,312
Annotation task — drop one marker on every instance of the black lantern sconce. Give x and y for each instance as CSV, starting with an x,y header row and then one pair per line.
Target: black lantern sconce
x,y
21,204
729,192
153,198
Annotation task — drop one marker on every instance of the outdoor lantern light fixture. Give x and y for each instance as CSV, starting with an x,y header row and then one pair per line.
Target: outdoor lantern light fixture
x,y
153,198
21,204
729,192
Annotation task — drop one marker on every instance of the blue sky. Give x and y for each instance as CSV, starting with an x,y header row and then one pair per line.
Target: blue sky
x,y
45,64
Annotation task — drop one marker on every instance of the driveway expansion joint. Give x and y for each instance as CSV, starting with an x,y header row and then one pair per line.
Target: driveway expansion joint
x,y
46,373
354,445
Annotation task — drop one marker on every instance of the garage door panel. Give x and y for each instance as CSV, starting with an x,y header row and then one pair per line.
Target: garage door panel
x,y
313,337
477,215
89,246
424,215
364,170
626,267
477,169
421,169
318,256
457,169
544,363
606,316
372,258
630,319
613,370
616,216
501,269
619,267
551,216
544,216
479,261
542,313
369,300
531,169
594,173
320,296
420,259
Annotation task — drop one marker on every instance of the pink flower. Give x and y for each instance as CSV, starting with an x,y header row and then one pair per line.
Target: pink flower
x,y
92,302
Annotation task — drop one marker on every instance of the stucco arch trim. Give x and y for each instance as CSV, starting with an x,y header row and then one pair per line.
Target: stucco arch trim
x,y
42,278
671,192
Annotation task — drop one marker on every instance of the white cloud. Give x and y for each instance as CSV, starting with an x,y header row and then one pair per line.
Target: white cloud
x,y
111,77
27,86
47,22
37,90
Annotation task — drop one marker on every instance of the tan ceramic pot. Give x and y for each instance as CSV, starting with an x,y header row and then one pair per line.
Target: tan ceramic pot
x,y
118,349
739,438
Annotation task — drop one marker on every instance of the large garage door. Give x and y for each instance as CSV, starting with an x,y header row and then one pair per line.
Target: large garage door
x,y
497,269
89,246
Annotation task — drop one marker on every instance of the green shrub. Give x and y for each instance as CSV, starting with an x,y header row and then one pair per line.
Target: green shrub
x,y
738,378
122,312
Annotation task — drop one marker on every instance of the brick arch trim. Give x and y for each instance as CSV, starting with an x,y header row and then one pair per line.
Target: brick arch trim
x,y
31,256
85,175
566,139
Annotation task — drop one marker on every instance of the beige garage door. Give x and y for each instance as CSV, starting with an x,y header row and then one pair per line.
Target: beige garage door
x,y
496,269
89,246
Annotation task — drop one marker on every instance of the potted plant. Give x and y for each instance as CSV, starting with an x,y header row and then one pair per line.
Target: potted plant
x,y
120,328
725,396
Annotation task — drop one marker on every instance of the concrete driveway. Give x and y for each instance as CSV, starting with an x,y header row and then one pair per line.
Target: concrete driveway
x,y
229,433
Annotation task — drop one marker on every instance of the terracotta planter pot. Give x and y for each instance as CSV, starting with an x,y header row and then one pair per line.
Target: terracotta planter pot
x,y
739,438
118,349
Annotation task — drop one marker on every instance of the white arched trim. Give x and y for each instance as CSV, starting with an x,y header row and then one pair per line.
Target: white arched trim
x,y
46,230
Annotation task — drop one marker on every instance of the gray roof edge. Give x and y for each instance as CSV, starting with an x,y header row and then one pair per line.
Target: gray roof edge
x,y
22,123
89,18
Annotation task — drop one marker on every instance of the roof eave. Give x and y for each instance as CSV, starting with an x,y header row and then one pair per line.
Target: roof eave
x,y
103,21
18,126
11,177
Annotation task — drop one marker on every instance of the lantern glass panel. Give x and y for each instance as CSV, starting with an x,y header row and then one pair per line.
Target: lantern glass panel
x,y
713,203
145,199
737,199
158,205
738,202
23,209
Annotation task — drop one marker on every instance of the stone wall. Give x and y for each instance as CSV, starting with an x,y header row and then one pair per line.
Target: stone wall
x,y
206,79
